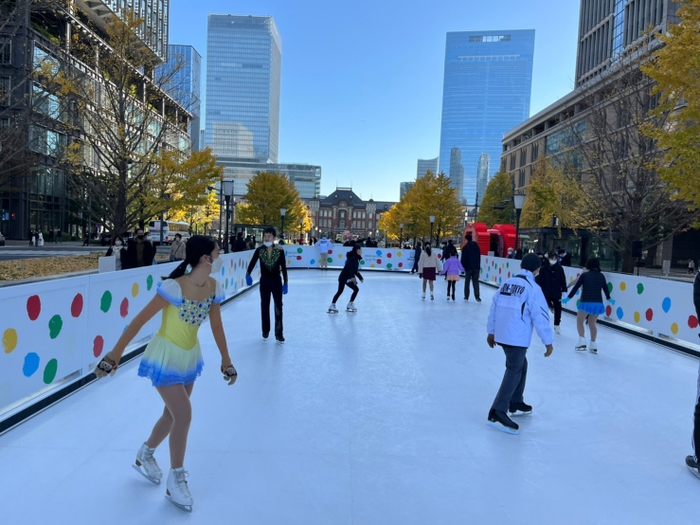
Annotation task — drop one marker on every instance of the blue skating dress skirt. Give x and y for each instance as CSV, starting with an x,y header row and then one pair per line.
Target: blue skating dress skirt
x,y
174,357
592,308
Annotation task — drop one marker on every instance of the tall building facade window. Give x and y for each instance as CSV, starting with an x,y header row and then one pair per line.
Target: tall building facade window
x,y
244,67
486,92
425,165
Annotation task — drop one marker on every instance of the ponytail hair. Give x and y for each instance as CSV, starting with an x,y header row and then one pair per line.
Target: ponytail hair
x,y
196,246
428,250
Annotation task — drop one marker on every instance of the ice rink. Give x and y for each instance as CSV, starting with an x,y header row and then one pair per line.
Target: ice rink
x,y
377,417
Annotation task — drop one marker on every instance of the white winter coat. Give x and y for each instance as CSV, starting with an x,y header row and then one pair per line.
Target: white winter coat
x,y
429,261
324,245
518,306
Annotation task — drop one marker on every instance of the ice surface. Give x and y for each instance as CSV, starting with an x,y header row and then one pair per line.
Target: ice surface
x,y
377,417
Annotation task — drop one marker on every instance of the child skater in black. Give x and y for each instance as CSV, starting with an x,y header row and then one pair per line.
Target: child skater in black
x,y
348,277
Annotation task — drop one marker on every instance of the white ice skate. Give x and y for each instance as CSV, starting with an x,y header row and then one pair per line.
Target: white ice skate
x,y
557,330
423,297
432,297
333,309
146,465
581,345
178,493
593,347
351,308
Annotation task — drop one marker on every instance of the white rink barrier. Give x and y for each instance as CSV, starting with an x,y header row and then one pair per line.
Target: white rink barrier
x,y
662,308
54,332
388,259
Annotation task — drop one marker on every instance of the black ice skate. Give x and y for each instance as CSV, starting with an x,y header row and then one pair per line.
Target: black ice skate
x,y
692,465
519,409
501,421
280,340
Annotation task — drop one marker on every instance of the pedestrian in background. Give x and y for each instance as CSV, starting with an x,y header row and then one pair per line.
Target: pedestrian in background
x,y
324,246
416,257
140,252
471,262
177,249
517,307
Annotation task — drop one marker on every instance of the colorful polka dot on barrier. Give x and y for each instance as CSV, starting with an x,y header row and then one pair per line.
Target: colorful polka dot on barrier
x,y
9,340
608,310
623,286
649,314
637,317
620,313
640,288
55,326
674,328
379,253
76,307
379,261
33,307
149,283
400,265
693,322
312,261
388,255
31,364
124,308
610,287
50,371
106,301
134,289
388,266
666,304
98,345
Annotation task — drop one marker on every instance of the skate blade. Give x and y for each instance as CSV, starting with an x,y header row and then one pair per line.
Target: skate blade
x,y
580,348
593,351
696,472
519,413
332,311
152,480
351,311
186,508
502,428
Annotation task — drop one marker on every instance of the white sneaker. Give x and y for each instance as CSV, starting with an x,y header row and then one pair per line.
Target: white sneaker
x,y
333,309
557,330
178,493
147,466
593,347
581,345
351,307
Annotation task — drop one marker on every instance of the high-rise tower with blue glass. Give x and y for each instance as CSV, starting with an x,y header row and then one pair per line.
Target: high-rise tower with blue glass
x,y
244,69
486,92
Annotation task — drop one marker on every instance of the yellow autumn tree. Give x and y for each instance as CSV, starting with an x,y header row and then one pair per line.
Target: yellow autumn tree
x,y
267,194
200,217
495,207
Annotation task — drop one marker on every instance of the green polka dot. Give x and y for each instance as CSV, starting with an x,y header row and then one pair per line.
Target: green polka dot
x,y
330,259
50,371
55,326
388,266
299,250
640,288
149,283
610,287
106,301
362,262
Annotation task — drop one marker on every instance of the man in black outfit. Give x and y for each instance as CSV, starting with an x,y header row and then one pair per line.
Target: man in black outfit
x,y
239,245
471,262
139,252
272,263
692,461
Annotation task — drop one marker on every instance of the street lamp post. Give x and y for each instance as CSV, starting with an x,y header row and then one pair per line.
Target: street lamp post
x,y
519,201
400,234
283,212
227,190
301,227
432,221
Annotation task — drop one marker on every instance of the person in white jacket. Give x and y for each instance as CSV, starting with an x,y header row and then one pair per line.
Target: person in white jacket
x,y
324,245
428,268
517,306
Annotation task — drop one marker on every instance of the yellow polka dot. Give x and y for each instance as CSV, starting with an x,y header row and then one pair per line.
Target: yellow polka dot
x,y
9,340
623,286
571,278
372,266
637,317
134,289
674,328
399,254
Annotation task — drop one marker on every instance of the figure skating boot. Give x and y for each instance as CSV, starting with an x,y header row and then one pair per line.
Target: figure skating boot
x,y
432,297
557,330
333,309
692,465
593,347
178,493
146,464
581,345
501,421
423,297
351,307
519,409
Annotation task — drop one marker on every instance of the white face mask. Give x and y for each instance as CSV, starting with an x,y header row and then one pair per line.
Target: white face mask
x,y
268,243
553,261
217,265
148,237
118,243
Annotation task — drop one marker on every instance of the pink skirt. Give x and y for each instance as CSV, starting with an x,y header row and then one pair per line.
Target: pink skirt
x,y
429,273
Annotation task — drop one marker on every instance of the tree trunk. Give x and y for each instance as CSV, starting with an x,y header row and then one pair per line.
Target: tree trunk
x,y
628,261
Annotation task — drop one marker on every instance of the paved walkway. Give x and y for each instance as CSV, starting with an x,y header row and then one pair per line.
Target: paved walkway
x,y
375,418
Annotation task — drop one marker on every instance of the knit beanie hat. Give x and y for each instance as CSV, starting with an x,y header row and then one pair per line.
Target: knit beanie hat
x,y
531,262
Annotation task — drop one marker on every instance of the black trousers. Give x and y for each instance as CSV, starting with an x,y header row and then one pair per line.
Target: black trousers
x,y
696,424
271,287
513,384
473,277
555,302
341,287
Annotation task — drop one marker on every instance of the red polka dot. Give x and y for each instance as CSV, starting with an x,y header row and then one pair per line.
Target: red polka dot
x,y
97,346
34,307
439,256
608,310
76,308
298,257
124,307
388,256
500,270
330,252
400,265
379,261
650,314
693,322
508,275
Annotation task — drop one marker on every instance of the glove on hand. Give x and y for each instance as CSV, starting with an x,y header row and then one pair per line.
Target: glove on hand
x,y
107,366
248,280
285,289
565,300
230,374
420,275
612,301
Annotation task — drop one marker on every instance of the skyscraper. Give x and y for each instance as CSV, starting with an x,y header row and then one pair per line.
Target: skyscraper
x,y
404,187
184,73
482,176
457,172
486,92
244,68
427,164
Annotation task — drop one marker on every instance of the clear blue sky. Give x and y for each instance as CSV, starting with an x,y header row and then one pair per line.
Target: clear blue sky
x,y
362,80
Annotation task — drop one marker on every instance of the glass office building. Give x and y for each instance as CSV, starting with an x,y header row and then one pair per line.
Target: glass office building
x,y
426,164
183,76
486,92
244,67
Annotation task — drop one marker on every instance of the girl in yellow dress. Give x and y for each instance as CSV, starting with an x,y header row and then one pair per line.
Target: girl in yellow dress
x,y
173,358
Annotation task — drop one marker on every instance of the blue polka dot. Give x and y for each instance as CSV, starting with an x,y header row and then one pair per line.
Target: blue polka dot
x,y
620,313
379,252
666,304
313,261
31,364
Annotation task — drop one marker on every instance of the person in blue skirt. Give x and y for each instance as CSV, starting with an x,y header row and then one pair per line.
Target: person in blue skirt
x,y
593,285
